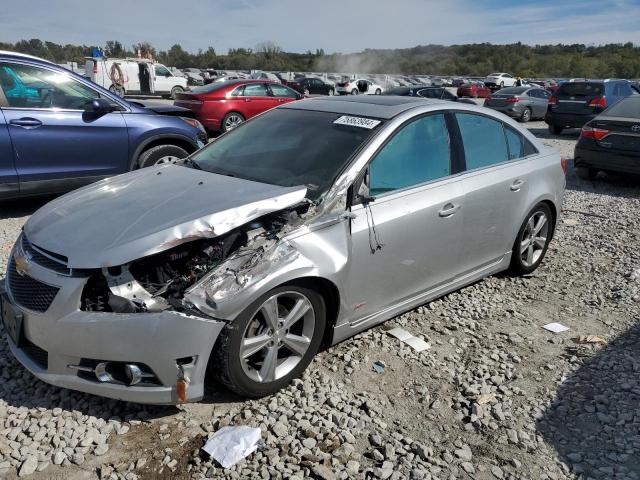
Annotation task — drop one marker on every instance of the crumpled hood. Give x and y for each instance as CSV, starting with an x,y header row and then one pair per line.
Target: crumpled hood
x,y
130,216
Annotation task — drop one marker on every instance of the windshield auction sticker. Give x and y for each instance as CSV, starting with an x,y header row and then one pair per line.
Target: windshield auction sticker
x,y
359,122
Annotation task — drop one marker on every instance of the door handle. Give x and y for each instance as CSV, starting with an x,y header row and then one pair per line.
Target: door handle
x,y
26,122
517,185
448,210
281,100
247,99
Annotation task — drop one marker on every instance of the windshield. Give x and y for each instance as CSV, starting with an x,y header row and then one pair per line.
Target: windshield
x,y
286,147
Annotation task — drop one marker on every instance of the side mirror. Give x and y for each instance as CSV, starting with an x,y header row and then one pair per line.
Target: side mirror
x,y
99,106
363,195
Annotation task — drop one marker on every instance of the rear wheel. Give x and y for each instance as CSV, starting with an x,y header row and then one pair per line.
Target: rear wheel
x,y
306,92
526,115
331,92
117,89
231,120
161,154
532,241
176,90
555,129
586,173
271,342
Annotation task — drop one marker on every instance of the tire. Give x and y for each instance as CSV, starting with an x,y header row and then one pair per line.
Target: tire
x,y
231,120
331,92
355,91
175,90
161,154
527,255
117,89
501,85
526,115
243,375
378,92
586,173
555,129
306,92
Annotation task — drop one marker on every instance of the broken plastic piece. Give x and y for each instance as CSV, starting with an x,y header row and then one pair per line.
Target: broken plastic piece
x,y
229,445
378,366
589,339
555,327
416,343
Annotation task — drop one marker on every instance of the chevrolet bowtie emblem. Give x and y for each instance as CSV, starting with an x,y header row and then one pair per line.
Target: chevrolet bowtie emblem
x,y
22,264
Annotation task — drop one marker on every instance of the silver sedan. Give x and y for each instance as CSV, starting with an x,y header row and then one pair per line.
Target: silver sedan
x,y
302,227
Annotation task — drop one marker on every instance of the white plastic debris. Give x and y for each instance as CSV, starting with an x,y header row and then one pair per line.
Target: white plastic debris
x,y
229,445
555,327
414,342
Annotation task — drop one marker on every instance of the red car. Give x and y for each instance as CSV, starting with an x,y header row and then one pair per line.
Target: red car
x,y
225,105
475,90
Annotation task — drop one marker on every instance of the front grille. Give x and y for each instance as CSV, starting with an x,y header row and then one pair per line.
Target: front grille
x,y
28,292
44,258
39,356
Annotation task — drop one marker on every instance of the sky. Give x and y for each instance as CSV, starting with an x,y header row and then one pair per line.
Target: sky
x,y
333,25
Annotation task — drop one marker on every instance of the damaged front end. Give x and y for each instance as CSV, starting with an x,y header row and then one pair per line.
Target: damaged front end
x,y
171,280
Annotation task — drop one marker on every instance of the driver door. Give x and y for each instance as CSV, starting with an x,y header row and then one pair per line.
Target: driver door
x,y
57,145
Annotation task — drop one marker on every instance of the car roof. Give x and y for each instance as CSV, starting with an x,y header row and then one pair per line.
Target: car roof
x,y
7,53
377,106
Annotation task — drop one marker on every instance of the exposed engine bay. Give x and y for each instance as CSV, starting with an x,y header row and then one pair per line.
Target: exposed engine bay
x,y
159,282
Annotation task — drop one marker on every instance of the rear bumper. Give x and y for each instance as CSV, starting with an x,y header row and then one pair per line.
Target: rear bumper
x,y
603,160
567,120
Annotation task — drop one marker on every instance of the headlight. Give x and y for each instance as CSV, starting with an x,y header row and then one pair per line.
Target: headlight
x,y
194,123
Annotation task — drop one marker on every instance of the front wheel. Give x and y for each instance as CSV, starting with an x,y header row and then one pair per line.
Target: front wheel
x,y
378,92
175,91
117,89
532,241
331,92
161,154
271,342
354,91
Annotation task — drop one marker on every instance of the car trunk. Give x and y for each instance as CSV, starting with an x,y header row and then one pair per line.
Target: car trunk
x,y
189,100
622,137
498,100
581,98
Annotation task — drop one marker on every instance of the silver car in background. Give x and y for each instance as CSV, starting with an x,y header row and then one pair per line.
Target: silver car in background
x,y
302,227
521,103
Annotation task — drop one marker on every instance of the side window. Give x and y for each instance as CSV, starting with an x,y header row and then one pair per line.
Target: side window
x,y
27,86
418,153
255,90
162,71
514,141
528,148
237,92
282,91
623,90
483,140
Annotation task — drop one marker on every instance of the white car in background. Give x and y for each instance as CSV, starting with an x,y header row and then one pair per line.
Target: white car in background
x,y
500,80
359,86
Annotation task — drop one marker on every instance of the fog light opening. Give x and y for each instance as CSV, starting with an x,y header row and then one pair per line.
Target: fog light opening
x,y
133,373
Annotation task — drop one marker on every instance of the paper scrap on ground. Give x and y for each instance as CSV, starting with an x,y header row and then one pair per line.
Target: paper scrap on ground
x,y
589,339
378,366
416,343
229,445
555,327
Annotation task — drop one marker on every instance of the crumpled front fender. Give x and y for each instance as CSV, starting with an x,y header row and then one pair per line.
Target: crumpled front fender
x,y
319,250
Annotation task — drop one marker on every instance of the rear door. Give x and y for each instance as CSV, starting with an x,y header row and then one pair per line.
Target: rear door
x,y
57,145
495,184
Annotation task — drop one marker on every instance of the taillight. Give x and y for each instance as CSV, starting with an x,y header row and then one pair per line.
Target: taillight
x,y
594,133
513,99
598,102
563,164
553,100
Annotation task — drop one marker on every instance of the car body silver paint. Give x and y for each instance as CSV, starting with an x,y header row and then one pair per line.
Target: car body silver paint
x,y
150,210
321,243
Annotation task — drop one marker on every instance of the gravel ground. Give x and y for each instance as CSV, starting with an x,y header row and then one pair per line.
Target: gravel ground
x,y
496,396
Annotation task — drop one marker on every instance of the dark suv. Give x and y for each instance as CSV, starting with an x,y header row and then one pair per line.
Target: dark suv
x,y
59,131
575,103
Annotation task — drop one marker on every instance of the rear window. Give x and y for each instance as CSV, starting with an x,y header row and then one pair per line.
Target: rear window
x,y
627,108
513,91
581,89
211,87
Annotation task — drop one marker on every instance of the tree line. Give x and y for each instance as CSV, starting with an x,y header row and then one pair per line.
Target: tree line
x,y
575,60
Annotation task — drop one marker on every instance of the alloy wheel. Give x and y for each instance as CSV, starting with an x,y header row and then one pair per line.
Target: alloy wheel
x,y
277,337
167,159
534,238
232,121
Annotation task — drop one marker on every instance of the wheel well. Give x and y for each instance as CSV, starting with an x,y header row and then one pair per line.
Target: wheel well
x,y
554,215
331,297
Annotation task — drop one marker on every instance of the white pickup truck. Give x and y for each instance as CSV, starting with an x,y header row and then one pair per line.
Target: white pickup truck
x,y
134,76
